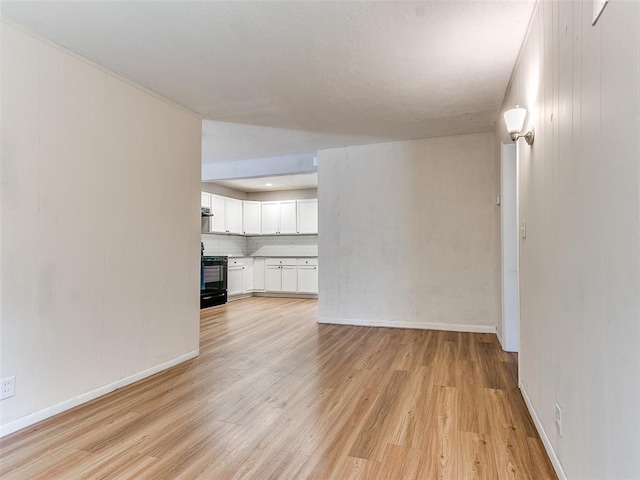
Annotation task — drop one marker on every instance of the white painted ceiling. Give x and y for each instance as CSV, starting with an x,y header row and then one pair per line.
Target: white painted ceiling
x,y
286,77
281,182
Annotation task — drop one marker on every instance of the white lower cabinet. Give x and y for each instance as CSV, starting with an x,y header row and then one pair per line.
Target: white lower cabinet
x,y
308,275
289,279
258,274
281,275
235,280
273,278
240,276
246,275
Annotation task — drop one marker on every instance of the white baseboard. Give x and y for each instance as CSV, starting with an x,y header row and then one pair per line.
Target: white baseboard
x,y
555,461
500,339
285,295
455,327
239,296
36,417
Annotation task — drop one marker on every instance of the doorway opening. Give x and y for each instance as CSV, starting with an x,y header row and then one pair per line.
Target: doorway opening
x,y
510,327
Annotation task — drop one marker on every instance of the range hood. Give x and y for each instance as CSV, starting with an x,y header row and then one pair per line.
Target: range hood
x,y
206,212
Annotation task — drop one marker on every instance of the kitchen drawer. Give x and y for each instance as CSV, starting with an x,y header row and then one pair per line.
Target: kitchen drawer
x,y
270,262
308,261
239,261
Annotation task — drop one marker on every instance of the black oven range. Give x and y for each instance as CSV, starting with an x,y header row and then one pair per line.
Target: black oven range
x,y
213,281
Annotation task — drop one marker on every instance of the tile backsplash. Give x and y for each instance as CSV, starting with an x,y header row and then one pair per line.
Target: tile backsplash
x,y
224,245
290,245
265,246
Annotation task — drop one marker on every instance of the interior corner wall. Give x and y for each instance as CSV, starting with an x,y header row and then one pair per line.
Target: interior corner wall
x,y
408,234
91,166
579,193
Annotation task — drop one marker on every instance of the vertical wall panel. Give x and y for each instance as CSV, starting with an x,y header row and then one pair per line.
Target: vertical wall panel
x,y
580,262
47,223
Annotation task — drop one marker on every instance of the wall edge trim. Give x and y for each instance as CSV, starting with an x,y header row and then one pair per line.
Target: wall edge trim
x,y
452,327
33,418
555,461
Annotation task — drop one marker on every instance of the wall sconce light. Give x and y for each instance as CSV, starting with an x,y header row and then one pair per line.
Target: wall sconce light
x,y
514,119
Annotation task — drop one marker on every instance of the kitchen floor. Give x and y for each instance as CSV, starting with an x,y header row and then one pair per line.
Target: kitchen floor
x,y
274,395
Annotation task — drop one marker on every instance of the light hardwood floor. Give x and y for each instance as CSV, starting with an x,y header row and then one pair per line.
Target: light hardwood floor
x,y
274,395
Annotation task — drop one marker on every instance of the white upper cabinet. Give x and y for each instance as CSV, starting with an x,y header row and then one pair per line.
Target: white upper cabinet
x,y
233,215
245,217
288,217
251,218
279,218
205,199
308,216
227,215
217,210
270,218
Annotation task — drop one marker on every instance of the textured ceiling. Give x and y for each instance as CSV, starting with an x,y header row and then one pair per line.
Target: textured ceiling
x,y
303,75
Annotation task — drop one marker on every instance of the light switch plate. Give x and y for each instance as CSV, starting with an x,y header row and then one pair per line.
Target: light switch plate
x,y
523,229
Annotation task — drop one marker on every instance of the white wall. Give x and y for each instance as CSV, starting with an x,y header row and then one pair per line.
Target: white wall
x,y
580,263
91,165
408,234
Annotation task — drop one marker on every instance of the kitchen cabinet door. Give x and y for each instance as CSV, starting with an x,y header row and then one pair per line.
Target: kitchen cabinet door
x,y
308,216
205,199
233,215
248,275
270,218
289,278
217,209
273,278
235,280
251,218
258,275
308,279
288,217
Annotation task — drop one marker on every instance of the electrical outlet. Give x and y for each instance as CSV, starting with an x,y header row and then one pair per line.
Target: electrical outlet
x,y
559,419
7,387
